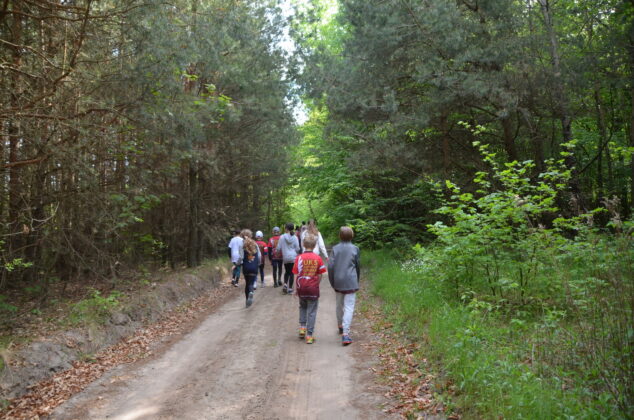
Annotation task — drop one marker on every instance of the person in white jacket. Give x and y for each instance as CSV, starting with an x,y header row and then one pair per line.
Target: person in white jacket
x,y
288,245
320,248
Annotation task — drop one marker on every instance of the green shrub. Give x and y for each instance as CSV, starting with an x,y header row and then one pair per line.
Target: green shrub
x,y
529,319
94,309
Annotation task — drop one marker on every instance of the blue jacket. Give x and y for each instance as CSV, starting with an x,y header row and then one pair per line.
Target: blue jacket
x,y
251,263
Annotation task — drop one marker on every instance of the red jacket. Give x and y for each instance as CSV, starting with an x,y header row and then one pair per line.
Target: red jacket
x,y
274,254
308,267
263,250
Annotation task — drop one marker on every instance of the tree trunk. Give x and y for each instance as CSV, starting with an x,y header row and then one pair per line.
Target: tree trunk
x,y
14,125
193,237
509,139
627,207
561,99
446,160
601,142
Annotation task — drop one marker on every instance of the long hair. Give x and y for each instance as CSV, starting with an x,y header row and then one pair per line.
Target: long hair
x,y
312,228
249,244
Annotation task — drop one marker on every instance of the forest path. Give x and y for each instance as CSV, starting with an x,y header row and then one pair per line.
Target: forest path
x,y
242,363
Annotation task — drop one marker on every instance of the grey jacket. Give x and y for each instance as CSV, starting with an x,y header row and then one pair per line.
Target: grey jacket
x,y
289,246
344,268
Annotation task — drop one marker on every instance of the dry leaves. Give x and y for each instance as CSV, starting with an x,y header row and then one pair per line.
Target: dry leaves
x,y
48,394
408,377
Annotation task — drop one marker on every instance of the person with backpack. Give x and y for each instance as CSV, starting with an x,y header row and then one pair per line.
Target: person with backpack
x,y
275,256
250,264
343,272
320,247
235,253
308,267
259,236
289,246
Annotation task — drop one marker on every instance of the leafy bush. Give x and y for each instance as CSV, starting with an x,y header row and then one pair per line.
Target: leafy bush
x,y
529,311
94,309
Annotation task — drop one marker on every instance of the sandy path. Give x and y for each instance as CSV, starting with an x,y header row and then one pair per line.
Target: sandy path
x,y
240,363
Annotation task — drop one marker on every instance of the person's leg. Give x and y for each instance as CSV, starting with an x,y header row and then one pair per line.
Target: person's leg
x,y
349,300
279,272
311,316
291,276
288,275
262,273
302,317
236,275
303,305
248,288
339,310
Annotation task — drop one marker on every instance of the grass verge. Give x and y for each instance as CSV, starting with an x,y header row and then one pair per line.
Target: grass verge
x,y
486,357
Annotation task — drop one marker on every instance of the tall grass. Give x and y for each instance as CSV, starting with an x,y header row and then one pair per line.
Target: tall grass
x,y
532,362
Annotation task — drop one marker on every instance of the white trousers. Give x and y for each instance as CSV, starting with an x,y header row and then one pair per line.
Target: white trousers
x,y
345,309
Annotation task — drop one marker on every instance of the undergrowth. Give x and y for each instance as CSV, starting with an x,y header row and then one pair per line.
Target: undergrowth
x,y
529,311
502,367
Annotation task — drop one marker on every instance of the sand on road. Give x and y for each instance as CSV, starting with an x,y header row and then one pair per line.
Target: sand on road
x,y
241,363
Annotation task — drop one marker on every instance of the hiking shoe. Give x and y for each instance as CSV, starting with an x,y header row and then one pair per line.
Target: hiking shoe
x,y
302,332
289,291
276,285
310,339
285,289
340,330
250,299
345,340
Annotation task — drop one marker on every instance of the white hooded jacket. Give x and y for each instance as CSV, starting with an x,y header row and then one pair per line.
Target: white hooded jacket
x,y
289,246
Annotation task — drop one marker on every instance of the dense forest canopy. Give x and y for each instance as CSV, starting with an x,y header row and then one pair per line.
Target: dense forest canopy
x,y
488,145
390,84
497,136
137,130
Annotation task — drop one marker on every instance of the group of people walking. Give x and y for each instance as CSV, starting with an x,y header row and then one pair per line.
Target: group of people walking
x,y
301,251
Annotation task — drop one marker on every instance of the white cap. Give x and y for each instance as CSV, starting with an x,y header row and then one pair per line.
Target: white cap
x,y
259,234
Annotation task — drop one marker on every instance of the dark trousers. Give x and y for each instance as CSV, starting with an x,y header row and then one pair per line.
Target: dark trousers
x,y
262,273
250,280
288,274
277,270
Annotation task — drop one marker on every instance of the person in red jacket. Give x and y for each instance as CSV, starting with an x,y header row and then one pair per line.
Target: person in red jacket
x,y
259,236
308,267
275,256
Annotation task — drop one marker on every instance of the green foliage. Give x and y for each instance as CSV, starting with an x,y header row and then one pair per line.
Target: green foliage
x,y
5,307
529,311
16,263
94,309
383,205
541,364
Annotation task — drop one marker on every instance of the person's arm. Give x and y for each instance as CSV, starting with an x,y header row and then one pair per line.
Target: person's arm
x,y
295,269
229,251
357,264
322,246
331,270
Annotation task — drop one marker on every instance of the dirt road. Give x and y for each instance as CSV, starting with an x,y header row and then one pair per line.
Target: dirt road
x,y
242,363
